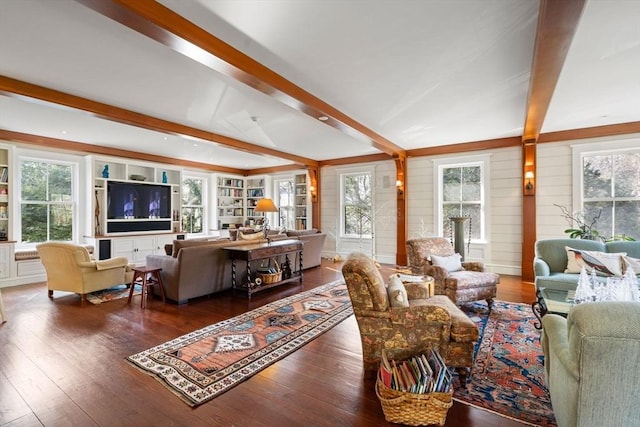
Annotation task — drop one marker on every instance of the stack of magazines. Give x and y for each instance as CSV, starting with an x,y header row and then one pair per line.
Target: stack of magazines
x,y
424,373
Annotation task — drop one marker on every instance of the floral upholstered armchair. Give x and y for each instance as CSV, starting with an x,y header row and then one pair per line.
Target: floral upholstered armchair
x,y
408,328
460,281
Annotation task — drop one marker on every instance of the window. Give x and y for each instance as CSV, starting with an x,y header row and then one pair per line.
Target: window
x,y
192,205
46,201
356,203
285,203
611,192
462,192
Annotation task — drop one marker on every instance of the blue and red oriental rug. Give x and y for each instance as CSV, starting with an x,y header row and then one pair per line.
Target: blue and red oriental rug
x,y
508,372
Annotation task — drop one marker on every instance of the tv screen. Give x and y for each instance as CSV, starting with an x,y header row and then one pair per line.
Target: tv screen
x,y
127,200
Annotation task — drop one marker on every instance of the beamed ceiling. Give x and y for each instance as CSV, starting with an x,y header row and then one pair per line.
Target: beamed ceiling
x,y
265,85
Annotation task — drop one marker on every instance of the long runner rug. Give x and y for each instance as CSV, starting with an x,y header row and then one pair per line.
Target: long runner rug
x,y
507,377
204,364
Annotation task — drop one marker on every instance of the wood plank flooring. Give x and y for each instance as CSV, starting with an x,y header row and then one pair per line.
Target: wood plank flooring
x,y
62,364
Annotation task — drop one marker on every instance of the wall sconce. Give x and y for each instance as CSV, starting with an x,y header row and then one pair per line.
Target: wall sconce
x,y
400,187
312,191
529,186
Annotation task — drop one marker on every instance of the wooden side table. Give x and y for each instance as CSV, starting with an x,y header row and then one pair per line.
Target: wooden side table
x,y
147,277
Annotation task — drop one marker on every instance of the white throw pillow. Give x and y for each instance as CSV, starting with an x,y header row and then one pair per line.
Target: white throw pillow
x,y
604,263
632,263
397,292
450,263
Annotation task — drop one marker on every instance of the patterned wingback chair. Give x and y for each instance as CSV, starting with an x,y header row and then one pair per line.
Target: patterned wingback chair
x,y
471,283
404,331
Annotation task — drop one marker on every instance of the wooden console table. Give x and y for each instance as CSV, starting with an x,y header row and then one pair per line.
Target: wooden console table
x,y
262,251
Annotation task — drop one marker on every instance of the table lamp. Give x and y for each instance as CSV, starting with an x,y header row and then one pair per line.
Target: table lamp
x,y
265,205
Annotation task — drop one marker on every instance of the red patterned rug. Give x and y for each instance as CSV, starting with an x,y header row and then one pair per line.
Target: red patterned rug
x,y
204,364
508,373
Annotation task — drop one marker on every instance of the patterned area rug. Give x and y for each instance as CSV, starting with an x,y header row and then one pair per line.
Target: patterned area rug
x,y
116,292
204,364
508,373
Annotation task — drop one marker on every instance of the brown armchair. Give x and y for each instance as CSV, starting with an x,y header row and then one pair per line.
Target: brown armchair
x,y
404,331
471,283
70,268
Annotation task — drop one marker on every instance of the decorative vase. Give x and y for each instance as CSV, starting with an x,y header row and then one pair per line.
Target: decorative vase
x,y
105,171
164,177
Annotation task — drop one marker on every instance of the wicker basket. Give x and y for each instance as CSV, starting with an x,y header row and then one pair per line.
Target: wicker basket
x,y
269,278
411,408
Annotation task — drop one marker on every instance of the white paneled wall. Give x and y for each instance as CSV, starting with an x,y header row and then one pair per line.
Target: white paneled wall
x,y
554,186
502,251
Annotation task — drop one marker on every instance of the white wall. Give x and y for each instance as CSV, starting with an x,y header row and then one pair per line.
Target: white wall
x,y
501,251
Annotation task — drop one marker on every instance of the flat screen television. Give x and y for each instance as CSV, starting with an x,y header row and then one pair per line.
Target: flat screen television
x,y
129,200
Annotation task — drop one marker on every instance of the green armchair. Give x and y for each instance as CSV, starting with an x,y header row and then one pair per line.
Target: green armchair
x,y
592,366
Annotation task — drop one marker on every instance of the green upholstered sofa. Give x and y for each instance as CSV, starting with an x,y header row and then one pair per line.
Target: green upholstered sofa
x,y
550,259
592,366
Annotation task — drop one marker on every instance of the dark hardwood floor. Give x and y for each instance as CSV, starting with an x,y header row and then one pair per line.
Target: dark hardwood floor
x,y
62,364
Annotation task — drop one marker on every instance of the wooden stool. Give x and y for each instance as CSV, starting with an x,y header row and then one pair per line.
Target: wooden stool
x,y
148,277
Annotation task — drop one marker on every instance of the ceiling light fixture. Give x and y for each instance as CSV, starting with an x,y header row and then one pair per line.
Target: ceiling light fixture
x,y
323,118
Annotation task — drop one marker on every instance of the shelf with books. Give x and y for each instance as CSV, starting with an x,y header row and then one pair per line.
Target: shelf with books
x,y
301,201
230,201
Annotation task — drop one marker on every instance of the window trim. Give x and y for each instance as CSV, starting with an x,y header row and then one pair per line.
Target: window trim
x,y
580,151
484,161
52,158
341,223
205,200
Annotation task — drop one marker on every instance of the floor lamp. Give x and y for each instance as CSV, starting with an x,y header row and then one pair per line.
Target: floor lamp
x,y
266,205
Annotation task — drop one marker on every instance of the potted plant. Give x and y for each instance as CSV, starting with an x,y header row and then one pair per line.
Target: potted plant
x,y
586,229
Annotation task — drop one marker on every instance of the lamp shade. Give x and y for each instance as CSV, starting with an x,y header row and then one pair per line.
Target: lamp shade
x,y
266,205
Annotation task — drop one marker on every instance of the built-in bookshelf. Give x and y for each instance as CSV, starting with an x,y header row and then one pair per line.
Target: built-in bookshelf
x,y
109,174
301,198
255,192
230,202
4,194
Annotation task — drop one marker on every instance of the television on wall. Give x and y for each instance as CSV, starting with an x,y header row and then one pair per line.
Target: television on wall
x,y
138,201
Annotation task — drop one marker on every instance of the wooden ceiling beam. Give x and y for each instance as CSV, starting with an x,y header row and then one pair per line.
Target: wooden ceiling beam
x,y
163,25
82,148
557,23
30,92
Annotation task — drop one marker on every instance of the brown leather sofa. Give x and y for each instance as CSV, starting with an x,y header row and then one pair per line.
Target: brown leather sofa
x,y
195,268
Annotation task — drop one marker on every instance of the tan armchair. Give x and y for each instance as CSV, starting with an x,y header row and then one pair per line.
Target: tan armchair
x,y
471,283
70,268
404,331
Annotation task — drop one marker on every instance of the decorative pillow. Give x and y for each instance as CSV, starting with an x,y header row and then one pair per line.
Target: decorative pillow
x,y
604,264
250,236
632,263
397,292
450,263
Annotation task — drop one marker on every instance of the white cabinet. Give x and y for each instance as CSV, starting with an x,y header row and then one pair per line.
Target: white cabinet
x,y
6,254
134,248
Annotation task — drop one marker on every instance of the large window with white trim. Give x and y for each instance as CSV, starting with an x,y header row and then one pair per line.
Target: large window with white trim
x,y
611,192
46,201
462,192
193,205
356,204
285,202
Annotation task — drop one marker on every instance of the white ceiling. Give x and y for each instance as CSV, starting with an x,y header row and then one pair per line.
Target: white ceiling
x,y
419,73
